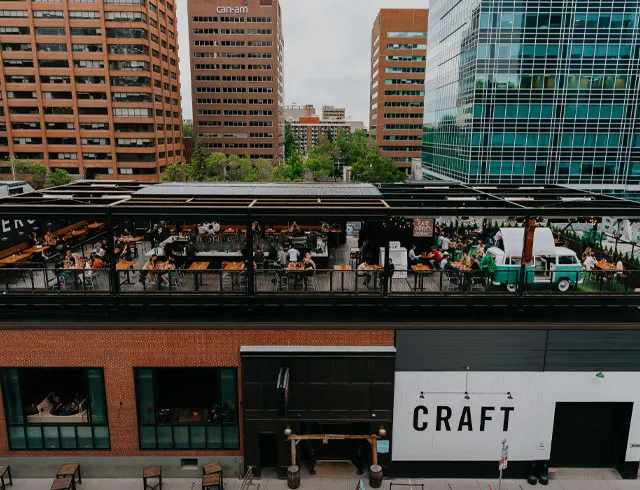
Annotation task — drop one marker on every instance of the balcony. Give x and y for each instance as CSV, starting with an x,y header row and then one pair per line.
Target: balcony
x,y
312,245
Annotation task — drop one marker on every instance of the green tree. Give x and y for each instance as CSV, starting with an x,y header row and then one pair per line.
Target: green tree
x,y
216,167
175,172
59,177
375,169
320,166
263,170
197,169
187,129
240,169
291,171
290,143
33,172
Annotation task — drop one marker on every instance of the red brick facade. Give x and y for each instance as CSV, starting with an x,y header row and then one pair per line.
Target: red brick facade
x,y
118,352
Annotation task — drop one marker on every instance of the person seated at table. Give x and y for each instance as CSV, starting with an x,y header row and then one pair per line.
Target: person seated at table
x,y
365,272
96,262
309,260
57,406
413,257
168,277
48,238
105,247
70,259
466,246
434,257
126,232
480,247
446,265
149,266
33,240
61,274
215,226
475,262
465,259
127,253
586,253
293,255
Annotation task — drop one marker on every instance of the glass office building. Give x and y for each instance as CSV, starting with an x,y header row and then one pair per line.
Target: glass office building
x,y
534,92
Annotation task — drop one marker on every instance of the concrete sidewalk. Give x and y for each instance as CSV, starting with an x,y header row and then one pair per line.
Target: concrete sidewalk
x,y
316,483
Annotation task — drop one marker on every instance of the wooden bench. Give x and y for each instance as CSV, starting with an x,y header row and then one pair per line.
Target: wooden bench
x,y
211,481
152,472
70,228
14,250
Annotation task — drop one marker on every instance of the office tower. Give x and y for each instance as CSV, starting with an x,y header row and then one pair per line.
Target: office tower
x,y
91,87
295,112
398,60
237,77
542,92
330,113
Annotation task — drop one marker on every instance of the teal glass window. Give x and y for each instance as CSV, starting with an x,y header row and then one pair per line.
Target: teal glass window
x,y
604,21
580,20
509,139
570,112
512,111
203,414
82,413
547,112
484,51
617,111
555,20
621,82
528,51
499,111
521,139
485,20
496,139
537,81
592,20
588,51
601,50
616,21
573,81
597,81
625,51
534,111
544,139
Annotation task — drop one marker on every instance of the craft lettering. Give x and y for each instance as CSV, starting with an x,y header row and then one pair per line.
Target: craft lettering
x,y
466,420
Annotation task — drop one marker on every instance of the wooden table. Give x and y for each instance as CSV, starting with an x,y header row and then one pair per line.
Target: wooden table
x,y
94,226
376,269
233,266
66,483
420,271
342,268
198,267
36,249
212,468
210,481
125,265
606,266
14,258
149,473
5,470
70,470
461,267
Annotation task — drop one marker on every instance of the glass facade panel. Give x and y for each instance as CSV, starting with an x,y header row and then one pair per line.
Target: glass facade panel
x,y
566,72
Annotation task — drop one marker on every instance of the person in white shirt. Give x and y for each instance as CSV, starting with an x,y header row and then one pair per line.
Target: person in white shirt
x,y
293,255
365,272
589,262
216,226
202,230
445,242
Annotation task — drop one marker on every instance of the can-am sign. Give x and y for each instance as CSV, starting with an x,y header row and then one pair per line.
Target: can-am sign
x,y
434,421
232,10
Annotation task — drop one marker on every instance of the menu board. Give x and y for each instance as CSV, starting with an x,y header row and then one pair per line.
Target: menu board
x,y
423,227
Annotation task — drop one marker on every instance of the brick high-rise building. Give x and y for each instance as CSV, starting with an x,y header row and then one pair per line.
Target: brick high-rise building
x,y
398,65
237,77
91,87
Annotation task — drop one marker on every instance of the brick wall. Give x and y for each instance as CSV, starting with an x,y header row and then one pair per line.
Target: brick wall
x,y
118,352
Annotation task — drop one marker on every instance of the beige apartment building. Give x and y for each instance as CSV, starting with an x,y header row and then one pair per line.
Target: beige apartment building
x,y
398,68
92,87
237,77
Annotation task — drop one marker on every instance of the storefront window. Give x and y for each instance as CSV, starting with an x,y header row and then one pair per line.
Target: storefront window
x,y
187,408
55,408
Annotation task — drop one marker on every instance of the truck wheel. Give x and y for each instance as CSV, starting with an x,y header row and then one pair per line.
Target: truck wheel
x,y
512,288
564,285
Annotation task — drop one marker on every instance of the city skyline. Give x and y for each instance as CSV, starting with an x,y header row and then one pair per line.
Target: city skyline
x,y
320,70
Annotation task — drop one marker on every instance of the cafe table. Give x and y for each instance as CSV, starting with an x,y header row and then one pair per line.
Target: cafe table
x,y
95,226
376,269
420,271
198,268
235,269
342,269
14,259
125,265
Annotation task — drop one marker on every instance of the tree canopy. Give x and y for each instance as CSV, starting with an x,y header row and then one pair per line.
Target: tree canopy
x,y
38,175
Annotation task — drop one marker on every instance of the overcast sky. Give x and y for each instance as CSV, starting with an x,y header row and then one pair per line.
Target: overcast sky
x,y
326,54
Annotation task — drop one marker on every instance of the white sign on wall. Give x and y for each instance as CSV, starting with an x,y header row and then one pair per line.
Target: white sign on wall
x,y
433,421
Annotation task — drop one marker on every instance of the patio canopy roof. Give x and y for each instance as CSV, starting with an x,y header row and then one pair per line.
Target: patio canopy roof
x,y
318,201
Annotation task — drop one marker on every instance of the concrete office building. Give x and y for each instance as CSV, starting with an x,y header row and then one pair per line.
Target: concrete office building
x,y
398,61
93,88
295,112
539,93
237,77
333,113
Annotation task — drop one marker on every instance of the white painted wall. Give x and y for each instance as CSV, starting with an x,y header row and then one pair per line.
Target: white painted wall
x,y
530,423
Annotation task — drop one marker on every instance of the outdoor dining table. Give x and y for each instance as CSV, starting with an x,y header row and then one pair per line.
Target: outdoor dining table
x,y
198,268
125,265
214,468
342,269
420,270
70,470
